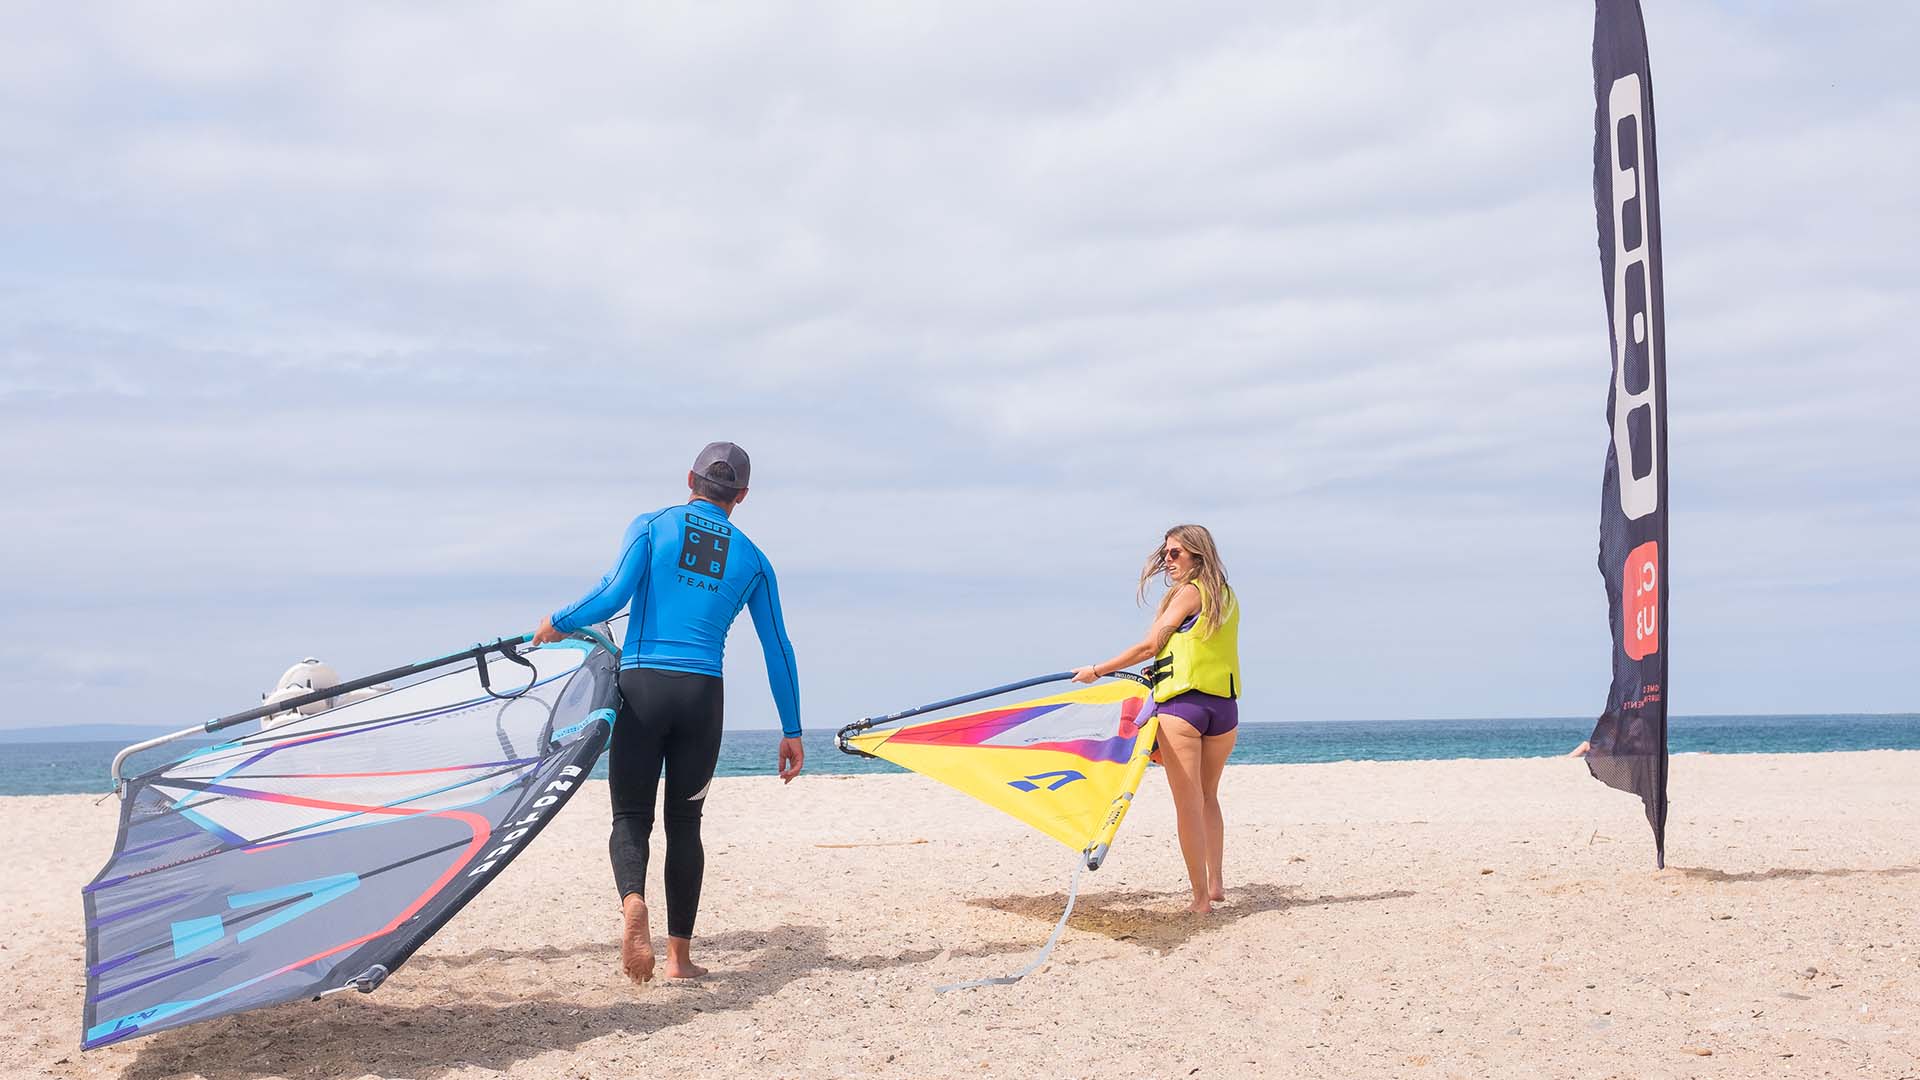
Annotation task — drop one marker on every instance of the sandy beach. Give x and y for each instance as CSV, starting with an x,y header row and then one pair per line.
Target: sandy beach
x,y
1419,919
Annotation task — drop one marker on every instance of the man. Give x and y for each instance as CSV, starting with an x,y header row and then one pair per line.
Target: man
x,y
685,571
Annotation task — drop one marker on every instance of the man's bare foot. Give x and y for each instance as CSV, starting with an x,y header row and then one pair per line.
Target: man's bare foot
x,y
636,943
680,964
1218,894
1200,907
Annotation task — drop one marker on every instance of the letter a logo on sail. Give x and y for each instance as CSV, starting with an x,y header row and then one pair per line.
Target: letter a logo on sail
x,y
1640,601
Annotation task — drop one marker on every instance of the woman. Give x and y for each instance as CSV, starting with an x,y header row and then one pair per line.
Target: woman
x,y
1195,648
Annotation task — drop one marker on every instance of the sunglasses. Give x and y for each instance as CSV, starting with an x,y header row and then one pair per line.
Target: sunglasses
x,y
1175,553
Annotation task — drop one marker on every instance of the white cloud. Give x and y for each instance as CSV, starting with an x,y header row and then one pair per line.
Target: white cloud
x,y
365,328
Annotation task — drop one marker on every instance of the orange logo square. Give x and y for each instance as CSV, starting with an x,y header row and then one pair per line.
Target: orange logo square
x,y
1640,602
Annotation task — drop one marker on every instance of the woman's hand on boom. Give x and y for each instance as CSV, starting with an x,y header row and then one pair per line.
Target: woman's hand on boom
x,y
1085,674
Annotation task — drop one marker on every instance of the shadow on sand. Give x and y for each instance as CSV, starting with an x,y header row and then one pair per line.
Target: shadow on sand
x,y
493,1024
1700,873
1153,920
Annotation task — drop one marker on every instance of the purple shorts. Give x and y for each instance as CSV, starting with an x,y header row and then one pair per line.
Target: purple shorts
x,y
1208,714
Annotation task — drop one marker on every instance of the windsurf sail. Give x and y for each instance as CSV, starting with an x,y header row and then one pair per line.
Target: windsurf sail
x,y
316,855
1628,749
1067,764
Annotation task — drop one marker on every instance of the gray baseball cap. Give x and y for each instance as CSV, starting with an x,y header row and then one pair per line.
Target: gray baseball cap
x,y
723,453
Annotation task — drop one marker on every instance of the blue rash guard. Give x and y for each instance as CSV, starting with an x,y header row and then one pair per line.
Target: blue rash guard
x,y
687,571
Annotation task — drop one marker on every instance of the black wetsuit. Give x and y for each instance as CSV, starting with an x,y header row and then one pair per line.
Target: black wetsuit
x,y
670,719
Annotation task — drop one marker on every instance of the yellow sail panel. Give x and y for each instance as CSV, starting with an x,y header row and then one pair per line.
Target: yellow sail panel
x,y
1067,764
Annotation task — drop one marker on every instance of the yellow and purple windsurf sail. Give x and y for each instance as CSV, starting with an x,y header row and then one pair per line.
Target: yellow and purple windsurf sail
x,y
1067,764
316,855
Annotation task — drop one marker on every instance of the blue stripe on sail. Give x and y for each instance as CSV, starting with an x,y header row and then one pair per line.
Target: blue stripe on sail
x,y
155,844
138,983
134,910
318,891
122,1026
192,935
605,715
213,827
202,752
105,966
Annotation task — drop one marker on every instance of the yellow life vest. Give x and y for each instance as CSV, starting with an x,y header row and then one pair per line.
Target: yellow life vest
x,y
1209,664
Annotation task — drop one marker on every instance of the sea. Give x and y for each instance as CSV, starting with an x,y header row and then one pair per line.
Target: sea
x,y
58,768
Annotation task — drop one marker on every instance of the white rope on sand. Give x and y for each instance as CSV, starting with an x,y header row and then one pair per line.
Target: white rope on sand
x,y
1073,893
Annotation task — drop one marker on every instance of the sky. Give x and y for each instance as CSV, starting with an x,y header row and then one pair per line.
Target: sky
x,y
362,331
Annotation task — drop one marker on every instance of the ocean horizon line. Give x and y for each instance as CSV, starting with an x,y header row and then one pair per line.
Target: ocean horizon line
x,y
82,765
98,732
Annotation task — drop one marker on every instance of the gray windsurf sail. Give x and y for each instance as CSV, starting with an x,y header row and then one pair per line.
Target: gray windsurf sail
x,y
317,854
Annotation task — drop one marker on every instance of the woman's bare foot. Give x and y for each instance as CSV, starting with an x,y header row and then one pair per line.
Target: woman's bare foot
x,y
680,965
1218,894
1200,907
636,943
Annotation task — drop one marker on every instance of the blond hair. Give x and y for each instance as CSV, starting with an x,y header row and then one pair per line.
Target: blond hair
x,y
1209,575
